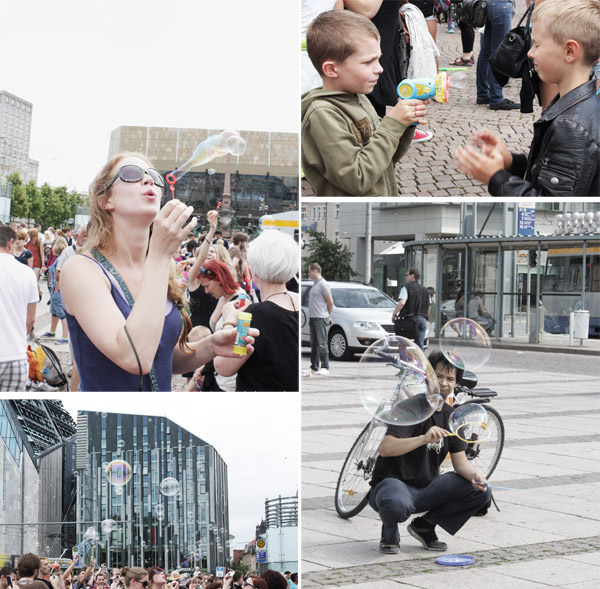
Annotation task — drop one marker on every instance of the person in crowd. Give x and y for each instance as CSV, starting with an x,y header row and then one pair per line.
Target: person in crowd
x,y
413,301
157,577
467,38
273,257
274,579
34,245
477,311
217,280
564,159
346,149
20,252
218,239
44,573
320,307
124,308
19,296
135,578
406,477
56,307
293,581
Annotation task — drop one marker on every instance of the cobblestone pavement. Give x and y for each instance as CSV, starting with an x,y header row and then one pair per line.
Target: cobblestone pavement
x,y
428,169
546,532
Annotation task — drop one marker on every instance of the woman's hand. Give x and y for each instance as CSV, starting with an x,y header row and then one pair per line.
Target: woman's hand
x,y
230,311
212,217
170,228
224,339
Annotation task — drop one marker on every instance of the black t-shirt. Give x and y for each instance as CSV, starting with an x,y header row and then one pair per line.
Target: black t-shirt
x,y
274,364
419,467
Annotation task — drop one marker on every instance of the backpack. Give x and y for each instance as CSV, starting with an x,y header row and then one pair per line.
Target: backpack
x,y
474,13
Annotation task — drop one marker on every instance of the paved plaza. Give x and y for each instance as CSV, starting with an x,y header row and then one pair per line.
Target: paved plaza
x,y
547,532
428,169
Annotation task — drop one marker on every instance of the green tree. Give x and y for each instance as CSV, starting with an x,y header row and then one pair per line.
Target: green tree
x,y
19,205
34,198
333,257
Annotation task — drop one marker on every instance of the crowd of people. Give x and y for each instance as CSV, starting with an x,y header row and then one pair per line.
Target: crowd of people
x,y
33,572
356,128
140,296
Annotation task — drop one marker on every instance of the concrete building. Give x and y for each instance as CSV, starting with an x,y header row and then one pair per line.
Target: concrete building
x,y
166,493
263,180
15,135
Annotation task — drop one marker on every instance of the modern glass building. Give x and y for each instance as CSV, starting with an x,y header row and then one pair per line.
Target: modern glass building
x,y
167,494
263,180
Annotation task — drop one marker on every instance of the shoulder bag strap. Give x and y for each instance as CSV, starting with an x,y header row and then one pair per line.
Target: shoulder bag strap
x,y
115,274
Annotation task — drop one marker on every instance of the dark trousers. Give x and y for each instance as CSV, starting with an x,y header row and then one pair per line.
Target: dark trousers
x,y
319,356
449,501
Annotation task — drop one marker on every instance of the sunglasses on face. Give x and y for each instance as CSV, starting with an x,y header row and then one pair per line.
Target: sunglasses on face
x,y
133,173
207,272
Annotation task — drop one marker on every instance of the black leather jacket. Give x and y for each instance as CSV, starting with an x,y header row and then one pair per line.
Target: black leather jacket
x,y
564,159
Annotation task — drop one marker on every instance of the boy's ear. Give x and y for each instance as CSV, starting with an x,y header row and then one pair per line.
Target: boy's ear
x,y
330,69
573,50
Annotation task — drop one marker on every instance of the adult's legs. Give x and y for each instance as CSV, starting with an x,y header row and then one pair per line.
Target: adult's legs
x,y
467,37
421,329
314,350
13,375
319,357
393,501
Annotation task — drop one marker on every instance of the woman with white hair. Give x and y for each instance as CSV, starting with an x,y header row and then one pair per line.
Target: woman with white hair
x,y
273,258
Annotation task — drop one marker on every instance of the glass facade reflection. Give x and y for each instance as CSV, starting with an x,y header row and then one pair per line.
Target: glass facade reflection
x,y
187,525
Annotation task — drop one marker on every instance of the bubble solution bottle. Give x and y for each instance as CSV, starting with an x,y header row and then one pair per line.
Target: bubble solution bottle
x,y
243,326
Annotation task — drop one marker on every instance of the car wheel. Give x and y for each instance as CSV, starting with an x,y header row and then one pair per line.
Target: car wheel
x,y
338,345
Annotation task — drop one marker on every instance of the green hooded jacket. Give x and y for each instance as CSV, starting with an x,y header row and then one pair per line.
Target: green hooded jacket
x,y
346,149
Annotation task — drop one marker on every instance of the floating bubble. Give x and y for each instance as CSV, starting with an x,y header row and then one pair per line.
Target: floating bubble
x,y
169,487
396,382
104,465
222,530
184,579
118,472
226,142
76,473
465,343
211,527
159,509
91,535
211,171
121,443
469,414
47,549
266,222
160,516
108,526
249,215
104,414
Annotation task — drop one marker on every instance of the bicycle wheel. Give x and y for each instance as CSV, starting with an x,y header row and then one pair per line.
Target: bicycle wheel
x,y
351,492
485,456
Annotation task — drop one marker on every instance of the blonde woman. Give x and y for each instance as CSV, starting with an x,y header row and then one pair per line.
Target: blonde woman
x,y
20,252
135,578
124,308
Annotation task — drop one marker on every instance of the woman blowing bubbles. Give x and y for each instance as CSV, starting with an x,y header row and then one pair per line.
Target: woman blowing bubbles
x,y
124,308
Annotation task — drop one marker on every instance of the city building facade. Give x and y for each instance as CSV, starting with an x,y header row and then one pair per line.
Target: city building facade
x,y
263,180
15,135
164,490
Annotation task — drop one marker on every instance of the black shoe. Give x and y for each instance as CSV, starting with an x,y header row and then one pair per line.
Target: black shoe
x,y
483,101
506,104
388,548
427,537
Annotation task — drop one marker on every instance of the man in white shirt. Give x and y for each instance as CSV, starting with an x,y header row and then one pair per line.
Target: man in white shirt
x,y
18,300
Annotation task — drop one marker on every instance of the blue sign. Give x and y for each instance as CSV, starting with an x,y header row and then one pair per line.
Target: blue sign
x,y
261,556
526,220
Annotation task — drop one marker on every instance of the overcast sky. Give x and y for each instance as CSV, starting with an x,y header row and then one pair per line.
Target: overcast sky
x,y
256,434
90,66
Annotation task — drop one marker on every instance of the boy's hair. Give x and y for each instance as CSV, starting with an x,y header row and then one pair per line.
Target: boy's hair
x,y
335,35
436,358
572,19
315,266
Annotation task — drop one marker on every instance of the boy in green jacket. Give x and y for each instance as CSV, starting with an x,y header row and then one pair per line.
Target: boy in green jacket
x,y
346,149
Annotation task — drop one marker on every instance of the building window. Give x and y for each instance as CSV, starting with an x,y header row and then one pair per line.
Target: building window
x,y
337,211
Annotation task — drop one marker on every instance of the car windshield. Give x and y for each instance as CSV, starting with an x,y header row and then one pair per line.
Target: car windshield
x,y
360,298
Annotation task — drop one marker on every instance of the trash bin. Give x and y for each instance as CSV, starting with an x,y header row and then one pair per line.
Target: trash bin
x,y
580,324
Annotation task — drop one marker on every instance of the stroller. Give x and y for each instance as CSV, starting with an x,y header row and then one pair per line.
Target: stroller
x,y
45,370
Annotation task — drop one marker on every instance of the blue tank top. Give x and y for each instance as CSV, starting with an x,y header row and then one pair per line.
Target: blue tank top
x,y
98,373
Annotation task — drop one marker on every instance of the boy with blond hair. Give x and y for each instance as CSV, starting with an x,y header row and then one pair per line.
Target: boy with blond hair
x,y
565,153
346,149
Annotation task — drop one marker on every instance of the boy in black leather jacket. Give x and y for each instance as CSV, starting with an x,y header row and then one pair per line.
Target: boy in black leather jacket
x,y
564,159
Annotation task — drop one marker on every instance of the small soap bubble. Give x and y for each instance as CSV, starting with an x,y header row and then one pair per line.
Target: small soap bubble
x,y
118,472
118,490
121,443
108,525
169,487
465,343
211,171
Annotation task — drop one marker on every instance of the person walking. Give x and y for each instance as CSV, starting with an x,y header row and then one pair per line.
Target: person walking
x,y
320,306
414,302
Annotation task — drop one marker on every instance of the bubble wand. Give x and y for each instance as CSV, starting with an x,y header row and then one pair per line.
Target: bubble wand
x,y
224,143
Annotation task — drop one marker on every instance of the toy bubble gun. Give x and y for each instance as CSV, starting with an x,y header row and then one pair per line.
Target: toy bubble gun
x,y
438,87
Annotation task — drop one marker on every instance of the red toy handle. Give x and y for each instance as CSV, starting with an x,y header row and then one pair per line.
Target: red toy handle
x,y
171,181
219,205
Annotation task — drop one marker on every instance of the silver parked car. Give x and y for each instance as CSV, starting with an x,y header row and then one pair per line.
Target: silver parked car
x,y
362,315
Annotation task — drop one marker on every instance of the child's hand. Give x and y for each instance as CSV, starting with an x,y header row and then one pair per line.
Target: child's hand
x,y
478,165
489,141
409,111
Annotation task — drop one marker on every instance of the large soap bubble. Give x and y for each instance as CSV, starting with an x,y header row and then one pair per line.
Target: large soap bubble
x,y
91,535
169,487
469,422
396,382
108,525
118,472
465,343
226,142
184,579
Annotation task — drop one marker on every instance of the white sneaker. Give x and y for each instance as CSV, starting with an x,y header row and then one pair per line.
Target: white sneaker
x,y
323,372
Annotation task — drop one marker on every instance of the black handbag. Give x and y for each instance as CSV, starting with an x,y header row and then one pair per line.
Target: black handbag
x,y
406,327
511,54
474,13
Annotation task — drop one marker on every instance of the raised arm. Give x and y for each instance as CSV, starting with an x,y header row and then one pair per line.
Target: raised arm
x,y
368,8
193,282
85,289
